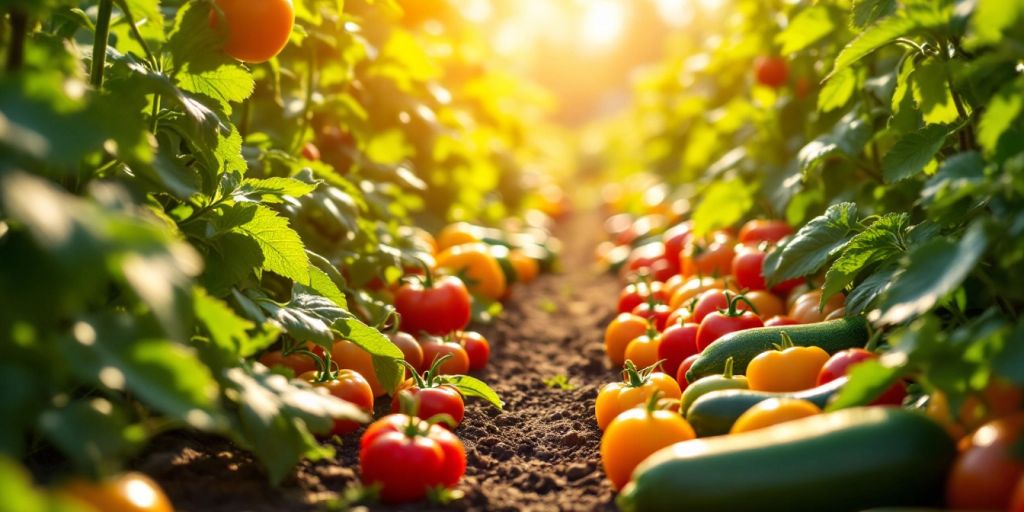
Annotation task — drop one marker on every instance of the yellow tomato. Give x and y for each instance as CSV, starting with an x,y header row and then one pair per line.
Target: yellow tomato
x,y
617,397
636,434
457,234
643,350
527,268
474,264
772,412
130,492
789,369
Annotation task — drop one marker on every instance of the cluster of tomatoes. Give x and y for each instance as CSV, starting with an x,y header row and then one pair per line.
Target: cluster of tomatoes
x,y
411,452
703,289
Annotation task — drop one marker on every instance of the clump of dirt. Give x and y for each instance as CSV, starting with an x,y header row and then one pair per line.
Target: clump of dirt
x,y
540,453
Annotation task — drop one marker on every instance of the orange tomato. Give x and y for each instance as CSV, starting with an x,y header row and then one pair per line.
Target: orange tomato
x,y
791,369
617,397
457,234
712,257
623,329
527,268
129,492
806,308
350,356
634,435
477,267
767,304
436,348
643,350
685,293
772,412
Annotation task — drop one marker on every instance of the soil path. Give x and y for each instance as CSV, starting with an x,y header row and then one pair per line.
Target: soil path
x,y
541,453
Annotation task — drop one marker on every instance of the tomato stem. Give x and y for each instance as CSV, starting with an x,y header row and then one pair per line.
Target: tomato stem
x,y
435,368
728,368
19,32
99,49
652,401
633,376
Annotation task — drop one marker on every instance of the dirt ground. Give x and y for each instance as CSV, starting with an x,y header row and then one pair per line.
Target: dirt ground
x,y
541,453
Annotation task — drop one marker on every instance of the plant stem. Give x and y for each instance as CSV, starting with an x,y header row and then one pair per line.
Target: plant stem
x,y
19,31
121,4
99,49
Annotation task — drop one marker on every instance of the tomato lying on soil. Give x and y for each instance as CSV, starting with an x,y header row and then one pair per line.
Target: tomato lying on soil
x,y
346,385
407,457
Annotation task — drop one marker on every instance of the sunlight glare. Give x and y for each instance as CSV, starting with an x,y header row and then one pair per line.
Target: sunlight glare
x,y
603,22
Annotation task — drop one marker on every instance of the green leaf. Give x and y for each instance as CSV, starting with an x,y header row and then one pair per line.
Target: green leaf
x,y
990,19
930,87
814,244
847,138
1004,108
473,387
225,81
276,417
957,177
231,259
903,81
873,38
864,295
227,330
385,354
868,380
724,203
113,352
837,91
270,190
913,152
321,284
880,243
21,494
866,12
934,270
805,29
92,433
283,251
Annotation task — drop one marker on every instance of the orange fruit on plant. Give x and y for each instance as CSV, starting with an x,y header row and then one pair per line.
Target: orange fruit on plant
x,y
257,29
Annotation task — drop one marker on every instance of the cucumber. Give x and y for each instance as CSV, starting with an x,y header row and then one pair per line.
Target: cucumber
x,y
743,346
714,413
848,460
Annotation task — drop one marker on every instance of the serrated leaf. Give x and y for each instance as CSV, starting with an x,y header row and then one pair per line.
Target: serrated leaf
x,y
1003,109
866,12
933,271
837,91
473,387
723,204
231,259
913,152
323,285
903,80
864,295
930,87
226,82
814,244
873,38
283,251
880,243
958,176
805,29
270,190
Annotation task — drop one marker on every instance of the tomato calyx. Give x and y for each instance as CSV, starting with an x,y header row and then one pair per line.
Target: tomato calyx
x,y
733,299
636,378
430,378
786,343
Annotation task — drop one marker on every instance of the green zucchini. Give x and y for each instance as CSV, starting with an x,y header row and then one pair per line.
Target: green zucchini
x,y
743,346
842,461
714,413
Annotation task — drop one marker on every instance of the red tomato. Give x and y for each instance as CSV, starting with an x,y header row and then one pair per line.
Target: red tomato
x,y
759,230
718,324
411,350
477,348
1017,503
780,320
436,307
771,71
710,301
784,288
310,152
986,472
298,363
840,363
708,257
349,386
637,293
746,268
678,316
658,314
436,348
663,269
683,368
257,29
678,342
675,238
644,256
406,464
431,401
